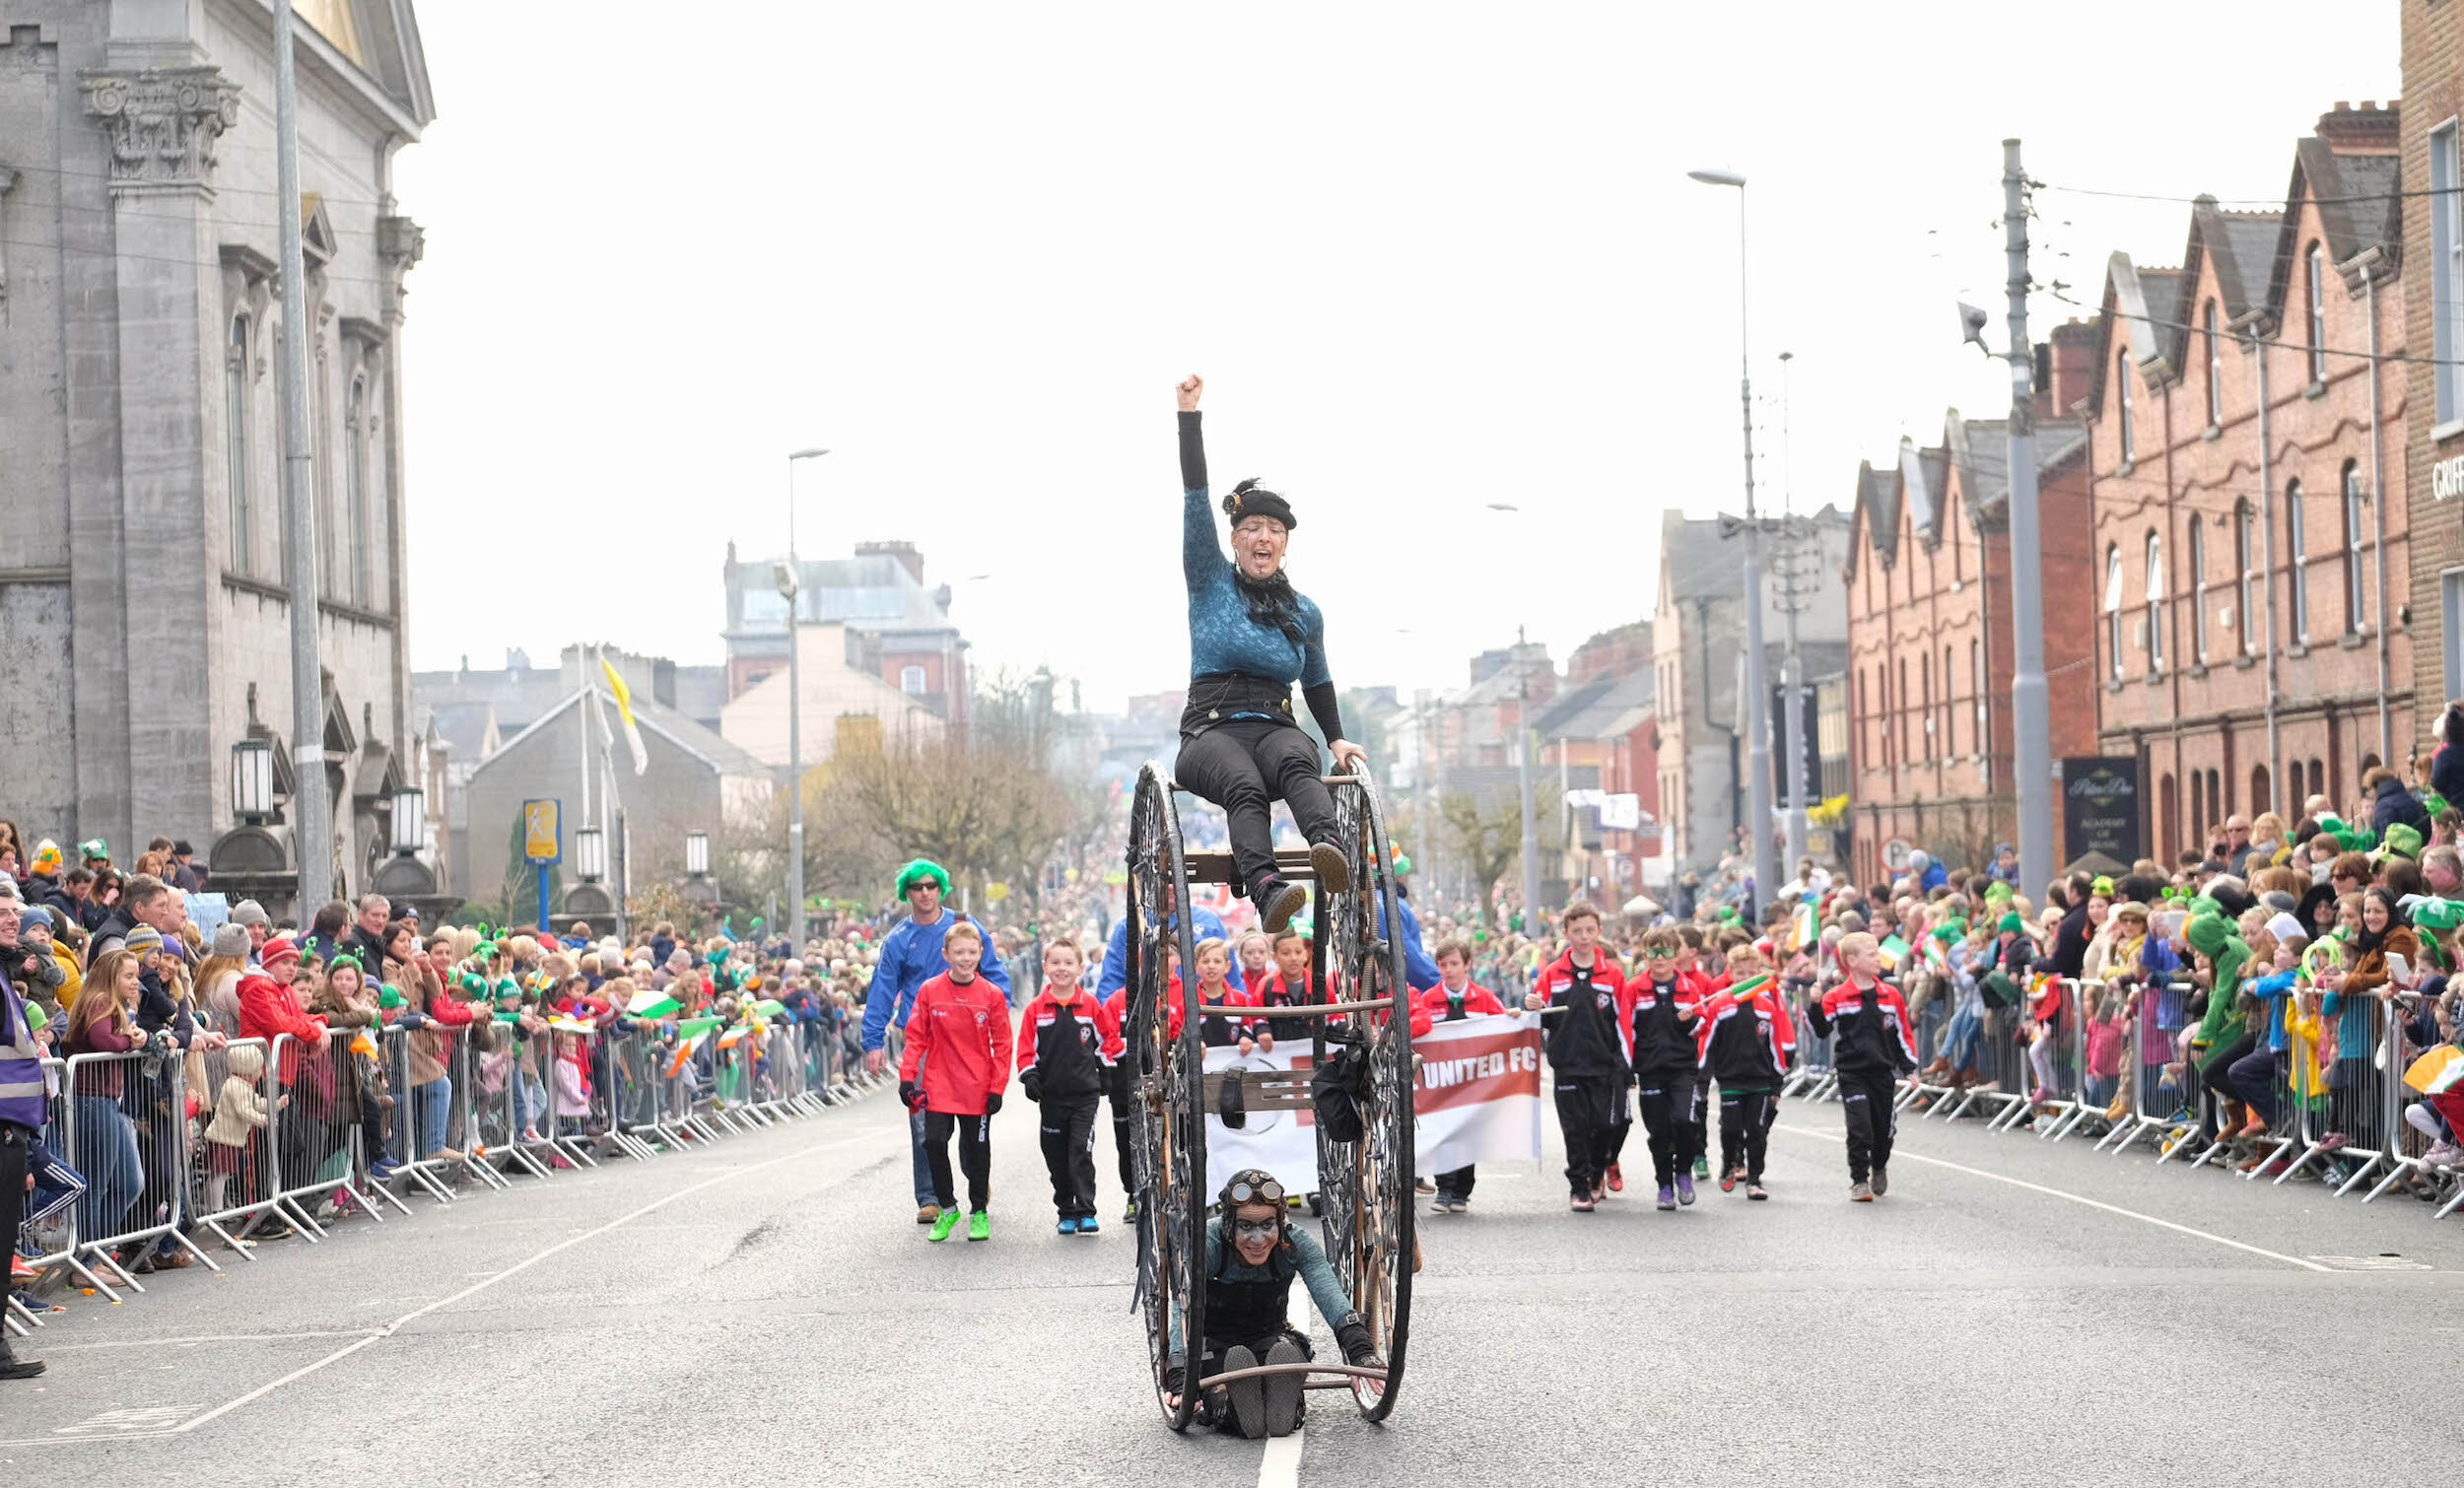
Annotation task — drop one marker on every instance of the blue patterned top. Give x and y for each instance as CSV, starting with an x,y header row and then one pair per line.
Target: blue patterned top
x,y
1222,636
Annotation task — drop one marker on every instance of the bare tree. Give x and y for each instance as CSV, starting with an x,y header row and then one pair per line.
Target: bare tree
x,y
1486,835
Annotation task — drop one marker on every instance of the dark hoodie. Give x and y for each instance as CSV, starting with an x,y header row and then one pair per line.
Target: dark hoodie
x,y
2447,766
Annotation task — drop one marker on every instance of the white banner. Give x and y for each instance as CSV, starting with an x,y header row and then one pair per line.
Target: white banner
x,y
1477,1097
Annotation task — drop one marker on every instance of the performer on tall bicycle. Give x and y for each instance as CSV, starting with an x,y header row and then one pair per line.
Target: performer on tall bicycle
x,y
1252,638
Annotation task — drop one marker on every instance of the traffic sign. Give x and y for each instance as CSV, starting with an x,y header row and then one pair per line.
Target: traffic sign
x,y
544,841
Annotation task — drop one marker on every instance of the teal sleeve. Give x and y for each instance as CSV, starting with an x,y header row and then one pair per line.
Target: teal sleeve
x,y
1317,1274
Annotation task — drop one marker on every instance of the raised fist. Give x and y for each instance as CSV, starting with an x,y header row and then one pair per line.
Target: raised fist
x,y
1190,388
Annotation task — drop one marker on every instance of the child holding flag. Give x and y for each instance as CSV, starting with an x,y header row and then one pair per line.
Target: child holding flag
x,y
1068,1046
1744,1038
954,1070
1873,1046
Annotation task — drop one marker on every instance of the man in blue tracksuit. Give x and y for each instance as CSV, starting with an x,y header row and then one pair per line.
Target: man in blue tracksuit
x,y
1418,970
911,956
1116,952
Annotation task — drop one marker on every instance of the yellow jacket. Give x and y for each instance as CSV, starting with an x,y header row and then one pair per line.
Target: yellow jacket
x,y
76,977
2304,1032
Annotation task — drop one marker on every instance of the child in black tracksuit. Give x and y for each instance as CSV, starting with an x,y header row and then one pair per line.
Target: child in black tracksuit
x,y
1587,1050
1744,1039
1872,1047
1069,1048
1665,1002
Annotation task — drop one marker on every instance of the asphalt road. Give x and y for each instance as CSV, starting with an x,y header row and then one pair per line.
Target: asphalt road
x,y
767,1312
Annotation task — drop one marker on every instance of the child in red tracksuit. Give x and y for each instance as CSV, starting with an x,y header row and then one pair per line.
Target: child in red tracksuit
x,y
1587,1037
1667,1000
1215,989
1068,1046
1873,1048
1455,998
956,1066
1745,1039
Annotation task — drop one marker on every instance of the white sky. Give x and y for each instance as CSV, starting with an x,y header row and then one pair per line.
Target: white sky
x,y
1427,258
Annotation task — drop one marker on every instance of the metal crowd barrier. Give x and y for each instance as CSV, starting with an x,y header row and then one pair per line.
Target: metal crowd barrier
x,y
285,1137
2338,1106
127,1132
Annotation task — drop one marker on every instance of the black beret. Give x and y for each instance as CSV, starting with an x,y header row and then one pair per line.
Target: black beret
x,y
1249,498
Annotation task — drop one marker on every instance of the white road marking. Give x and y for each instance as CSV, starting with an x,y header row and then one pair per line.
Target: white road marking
x,y
1280,1467
1902,1155
137,1431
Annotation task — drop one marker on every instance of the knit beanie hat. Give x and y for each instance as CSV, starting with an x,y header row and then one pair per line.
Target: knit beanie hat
x,y
278,950
144,938
2208,930
231,940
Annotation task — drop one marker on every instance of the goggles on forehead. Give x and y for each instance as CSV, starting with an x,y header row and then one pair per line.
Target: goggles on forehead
x,y
1246,1192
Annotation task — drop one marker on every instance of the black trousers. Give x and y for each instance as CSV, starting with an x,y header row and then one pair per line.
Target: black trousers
x,y
1701,1119
1456,1182
1587,1106
15,1143
1122,1136
1617,1135
1244,767
1068,1132
1746,1129
1867,1099
1668,1124
975,1157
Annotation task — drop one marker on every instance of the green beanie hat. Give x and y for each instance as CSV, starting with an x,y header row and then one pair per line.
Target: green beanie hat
x,y
920,870
2209,930
2010,924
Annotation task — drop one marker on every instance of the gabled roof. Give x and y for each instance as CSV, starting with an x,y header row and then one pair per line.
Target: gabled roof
x,y
1981,449
2333,182
1878,509
718,755
2237,249
1604,710
2143,304
1694,562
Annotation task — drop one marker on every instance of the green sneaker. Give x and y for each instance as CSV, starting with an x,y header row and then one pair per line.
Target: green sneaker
x,y
979,1225
1702,1168
942,1226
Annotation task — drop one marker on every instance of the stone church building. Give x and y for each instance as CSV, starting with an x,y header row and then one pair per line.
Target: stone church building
x,y
144,613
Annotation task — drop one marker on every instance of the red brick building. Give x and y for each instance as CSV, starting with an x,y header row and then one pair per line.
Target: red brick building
x,y
2432,159
1928,627
2245,634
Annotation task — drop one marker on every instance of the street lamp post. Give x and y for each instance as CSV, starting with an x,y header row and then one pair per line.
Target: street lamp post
x,y
1757,731
790,582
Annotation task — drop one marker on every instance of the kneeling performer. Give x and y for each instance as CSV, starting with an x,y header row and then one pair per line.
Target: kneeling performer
x,y
1252,1252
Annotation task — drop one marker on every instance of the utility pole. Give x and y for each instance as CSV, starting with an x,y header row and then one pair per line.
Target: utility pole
x,y
1757,683
1522,773
792,587
311,808
1793,669
2030,715
1792,537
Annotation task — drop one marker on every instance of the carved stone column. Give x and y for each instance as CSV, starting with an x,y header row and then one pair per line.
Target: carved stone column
x,y
159,127
163,125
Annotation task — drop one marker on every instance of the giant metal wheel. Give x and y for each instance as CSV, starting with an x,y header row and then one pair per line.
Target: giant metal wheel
x,y
1165,1075
1366,1186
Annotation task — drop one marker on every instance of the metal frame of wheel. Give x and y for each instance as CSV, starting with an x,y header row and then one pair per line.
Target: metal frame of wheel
x,y
1366,1187
1167,1078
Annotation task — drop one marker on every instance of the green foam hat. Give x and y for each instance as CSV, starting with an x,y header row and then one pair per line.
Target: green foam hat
x,y
917,872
